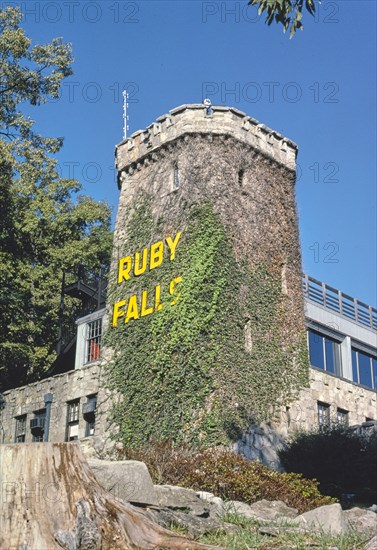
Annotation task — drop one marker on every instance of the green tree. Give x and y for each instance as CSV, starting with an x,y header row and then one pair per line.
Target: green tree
x,y
286,12
45,226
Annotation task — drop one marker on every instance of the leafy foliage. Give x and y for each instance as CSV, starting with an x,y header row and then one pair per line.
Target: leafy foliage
x,y
228,475
286,12
43,227
342,460
189,377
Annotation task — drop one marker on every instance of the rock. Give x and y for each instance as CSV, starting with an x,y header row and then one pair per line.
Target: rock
x,y
362,520
373,508
372,544
128,480
264,510
180,498
329,519
216,502
240,508
274,509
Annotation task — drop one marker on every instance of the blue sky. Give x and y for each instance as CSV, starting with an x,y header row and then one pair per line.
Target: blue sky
x,y
318,89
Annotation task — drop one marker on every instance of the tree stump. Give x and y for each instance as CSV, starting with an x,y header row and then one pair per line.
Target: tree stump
x,y
51,500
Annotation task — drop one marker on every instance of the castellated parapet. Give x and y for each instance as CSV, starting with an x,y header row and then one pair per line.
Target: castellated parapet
x,y
193,119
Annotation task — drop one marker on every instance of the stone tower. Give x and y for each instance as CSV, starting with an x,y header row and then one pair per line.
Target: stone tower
x,y
205,300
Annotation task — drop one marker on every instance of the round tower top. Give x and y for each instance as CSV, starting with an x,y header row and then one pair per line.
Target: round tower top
x,y
202,118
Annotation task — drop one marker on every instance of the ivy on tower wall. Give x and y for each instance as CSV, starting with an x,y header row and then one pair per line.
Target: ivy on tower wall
x,y
202,370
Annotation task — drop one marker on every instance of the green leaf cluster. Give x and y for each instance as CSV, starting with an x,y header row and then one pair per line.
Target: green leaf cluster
x,y
285,12
44,225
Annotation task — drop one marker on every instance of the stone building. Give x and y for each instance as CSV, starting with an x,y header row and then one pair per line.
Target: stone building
x,y
206,258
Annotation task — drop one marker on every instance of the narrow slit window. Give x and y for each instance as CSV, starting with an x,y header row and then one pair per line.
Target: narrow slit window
x,y
176,178
240,176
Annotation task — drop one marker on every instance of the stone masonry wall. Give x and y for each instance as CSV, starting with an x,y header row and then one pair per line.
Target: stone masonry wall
x,y
77,384
262,442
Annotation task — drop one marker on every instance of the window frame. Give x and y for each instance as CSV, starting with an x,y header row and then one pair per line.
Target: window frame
x,y
39,437
373,374
95,338
90,420
18,433
337,354
72,419
342,417
323,407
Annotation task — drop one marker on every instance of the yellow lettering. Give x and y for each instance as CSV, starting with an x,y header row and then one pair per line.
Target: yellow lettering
x,y
157,299
124,269
144,309
173,244
157,254
132,311
174,282
137,269
117,312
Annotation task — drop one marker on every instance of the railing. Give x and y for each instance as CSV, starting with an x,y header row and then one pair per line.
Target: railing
x,y
335,300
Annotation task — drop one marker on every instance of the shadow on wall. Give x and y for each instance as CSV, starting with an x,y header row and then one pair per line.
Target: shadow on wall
x,y
261,442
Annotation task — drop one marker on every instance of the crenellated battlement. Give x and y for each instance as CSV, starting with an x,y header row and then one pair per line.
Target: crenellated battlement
x,y
197,119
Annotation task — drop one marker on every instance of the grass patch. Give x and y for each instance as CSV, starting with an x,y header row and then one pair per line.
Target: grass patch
x,y
248,537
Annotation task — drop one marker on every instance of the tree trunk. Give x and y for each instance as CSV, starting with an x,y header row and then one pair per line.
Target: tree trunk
x,y
51,500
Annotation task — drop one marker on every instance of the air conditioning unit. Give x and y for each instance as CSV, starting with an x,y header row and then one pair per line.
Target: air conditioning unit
x,y
89,408
37,423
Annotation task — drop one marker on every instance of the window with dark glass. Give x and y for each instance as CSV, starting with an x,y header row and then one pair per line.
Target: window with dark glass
x,y
323,415
73,408
93,341
342,417
364,369
324,353
37,425
89,413
20,434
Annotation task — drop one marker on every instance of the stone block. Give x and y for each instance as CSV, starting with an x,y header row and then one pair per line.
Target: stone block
x,y
363,521
128,480
328,519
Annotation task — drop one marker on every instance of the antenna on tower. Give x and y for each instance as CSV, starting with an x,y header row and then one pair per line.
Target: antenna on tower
x,y
125,115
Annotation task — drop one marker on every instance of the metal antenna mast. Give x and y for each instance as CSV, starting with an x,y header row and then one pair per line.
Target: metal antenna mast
x,y
125,115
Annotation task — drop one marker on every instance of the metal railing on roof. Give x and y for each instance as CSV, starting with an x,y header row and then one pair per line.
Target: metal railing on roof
x,y
335,300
